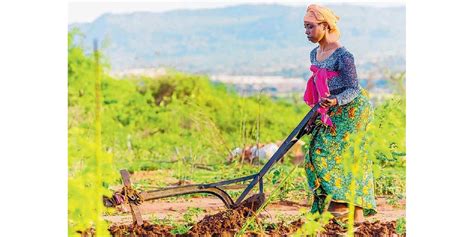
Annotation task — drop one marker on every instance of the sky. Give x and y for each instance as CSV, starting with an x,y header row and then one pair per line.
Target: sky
x,y
87,11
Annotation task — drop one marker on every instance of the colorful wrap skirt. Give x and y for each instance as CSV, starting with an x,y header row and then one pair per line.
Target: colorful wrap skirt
x,y
327,172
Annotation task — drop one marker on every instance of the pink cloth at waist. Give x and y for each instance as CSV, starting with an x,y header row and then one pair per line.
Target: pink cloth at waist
x,y
317,88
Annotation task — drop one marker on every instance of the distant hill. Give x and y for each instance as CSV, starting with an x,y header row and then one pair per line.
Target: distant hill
x,y
244,39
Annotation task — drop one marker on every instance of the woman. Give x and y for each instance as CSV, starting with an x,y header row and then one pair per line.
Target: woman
x,y
344,111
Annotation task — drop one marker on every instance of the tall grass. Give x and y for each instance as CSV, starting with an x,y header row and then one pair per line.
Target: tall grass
x,y
91,170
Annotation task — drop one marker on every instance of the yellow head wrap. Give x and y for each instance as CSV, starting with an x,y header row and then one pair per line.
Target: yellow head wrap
x,y
318,14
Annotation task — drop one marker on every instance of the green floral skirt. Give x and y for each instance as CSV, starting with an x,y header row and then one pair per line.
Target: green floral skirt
x,y
326,163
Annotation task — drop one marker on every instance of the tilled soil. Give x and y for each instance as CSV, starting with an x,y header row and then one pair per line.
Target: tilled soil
x,y
377,228
146,229
228,222
225,223
230,226
281,229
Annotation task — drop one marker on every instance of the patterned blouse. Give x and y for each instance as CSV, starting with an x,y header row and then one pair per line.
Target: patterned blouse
x,y
345,87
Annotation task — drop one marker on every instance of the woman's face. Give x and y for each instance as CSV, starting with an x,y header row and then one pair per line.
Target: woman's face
x,y
315,32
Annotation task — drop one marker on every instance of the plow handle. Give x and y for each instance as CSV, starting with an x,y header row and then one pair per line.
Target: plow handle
x,y
304,127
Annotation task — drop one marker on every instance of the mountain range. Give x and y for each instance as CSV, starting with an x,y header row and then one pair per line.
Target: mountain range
x,y
266,39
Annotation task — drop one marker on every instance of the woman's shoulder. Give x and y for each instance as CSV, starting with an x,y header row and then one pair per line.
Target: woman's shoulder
x,y
344,52
343,57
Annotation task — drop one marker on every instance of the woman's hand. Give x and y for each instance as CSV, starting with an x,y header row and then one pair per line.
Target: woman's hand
x,y
328,102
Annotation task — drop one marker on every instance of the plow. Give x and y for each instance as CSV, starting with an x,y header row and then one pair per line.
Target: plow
x,y
128,195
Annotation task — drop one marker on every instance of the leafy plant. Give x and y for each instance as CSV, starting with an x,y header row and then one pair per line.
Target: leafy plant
x,y
278,174
313,223
401,226
192,213
179,229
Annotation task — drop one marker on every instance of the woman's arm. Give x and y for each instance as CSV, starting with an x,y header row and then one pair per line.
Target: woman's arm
x,y
347,71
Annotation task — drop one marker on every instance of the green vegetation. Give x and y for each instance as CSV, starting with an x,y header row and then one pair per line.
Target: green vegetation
x,y
190,214
178,124
172,122
401,225
91,170
313,223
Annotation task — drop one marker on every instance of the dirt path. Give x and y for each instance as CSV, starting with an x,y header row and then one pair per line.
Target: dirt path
x,y
175,208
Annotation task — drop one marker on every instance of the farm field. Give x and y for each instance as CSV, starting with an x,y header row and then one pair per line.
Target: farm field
x,y
281,216
180,129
